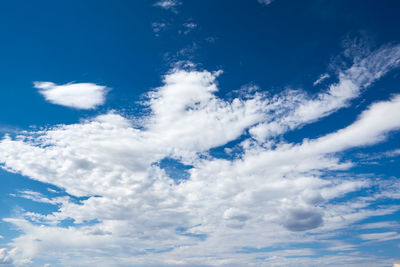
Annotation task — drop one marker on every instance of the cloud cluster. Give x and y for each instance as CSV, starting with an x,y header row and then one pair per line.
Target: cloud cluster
x,y
123,208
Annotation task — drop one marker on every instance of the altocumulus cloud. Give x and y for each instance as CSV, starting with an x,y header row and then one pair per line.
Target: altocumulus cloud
x,y
73,95
262,193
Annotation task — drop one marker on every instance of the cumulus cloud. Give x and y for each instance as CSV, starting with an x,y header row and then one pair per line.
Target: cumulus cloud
x,y
124,208
73,95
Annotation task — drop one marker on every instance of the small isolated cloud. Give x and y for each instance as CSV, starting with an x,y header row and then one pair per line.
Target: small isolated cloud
x,y
168,4
188,27
321,79
73,95
265,2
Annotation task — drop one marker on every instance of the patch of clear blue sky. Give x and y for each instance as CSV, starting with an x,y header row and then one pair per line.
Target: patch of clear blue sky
x,y
285,44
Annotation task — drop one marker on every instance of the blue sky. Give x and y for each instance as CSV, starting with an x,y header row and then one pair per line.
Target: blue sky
x,y
200,133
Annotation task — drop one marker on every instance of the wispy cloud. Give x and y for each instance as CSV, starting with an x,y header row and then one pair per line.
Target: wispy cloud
x,y
73,95
380,236
299,109
321,78
265,2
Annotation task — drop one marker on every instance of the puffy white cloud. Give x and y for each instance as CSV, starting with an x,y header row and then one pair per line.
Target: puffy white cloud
x,y
265,194
73,95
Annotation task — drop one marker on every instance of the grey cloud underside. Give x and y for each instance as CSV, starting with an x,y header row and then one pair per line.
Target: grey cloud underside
x,y
270,193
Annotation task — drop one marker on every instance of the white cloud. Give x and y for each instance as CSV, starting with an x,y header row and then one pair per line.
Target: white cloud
x,y
371,127
158,27
74,95
6,257
392,153
188,27
380,236
265,2
380,225
296,109
168,4
266,194
321,78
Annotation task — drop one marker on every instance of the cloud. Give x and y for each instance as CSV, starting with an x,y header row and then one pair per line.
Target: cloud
x,y
158,26
297,108
188,27
380,236
371,127
6,257
255,193
380,225
321,78
392,153
168,5
73,95
265,2
301,220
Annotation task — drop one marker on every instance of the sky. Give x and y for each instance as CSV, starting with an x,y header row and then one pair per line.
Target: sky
x,y
199,133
